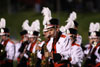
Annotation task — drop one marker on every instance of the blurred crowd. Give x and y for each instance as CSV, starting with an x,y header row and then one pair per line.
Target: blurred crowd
x,y
56,5
65,5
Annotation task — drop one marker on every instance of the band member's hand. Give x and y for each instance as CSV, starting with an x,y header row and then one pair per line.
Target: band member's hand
x,y
38,48
21,55
51,54
46,54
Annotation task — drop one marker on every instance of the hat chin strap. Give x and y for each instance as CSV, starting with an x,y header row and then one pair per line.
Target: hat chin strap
x,y
55,33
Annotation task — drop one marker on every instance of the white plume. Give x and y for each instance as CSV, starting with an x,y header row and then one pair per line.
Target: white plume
x,y
2,23
91,27
35,25
94,27
47,15
70,20
70,24
97,26
62,29
45,28
26,26
73,16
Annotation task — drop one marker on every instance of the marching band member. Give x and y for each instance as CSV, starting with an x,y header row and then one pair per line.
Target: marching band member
x,y
76,53
71,23
58,44
8,44
31,51
72,26
32,48
21,46
92,49
45,53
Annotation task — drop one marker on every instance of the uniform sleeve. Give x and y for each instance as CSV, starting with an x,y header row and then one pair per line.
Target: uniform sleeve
x,y
76,55
86,51
65,51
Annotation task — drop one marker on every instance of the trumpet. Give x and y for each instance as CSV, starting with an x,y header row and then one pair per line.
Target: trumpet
x,y
33,57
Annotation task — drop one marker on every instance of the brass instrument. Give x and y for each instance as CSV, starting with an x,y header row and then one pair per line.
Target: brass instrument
x,y
33,57
89,54
44,62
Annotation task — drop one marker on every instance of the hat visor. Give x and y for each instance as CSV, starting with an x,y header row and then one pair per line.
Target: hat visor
x,y
90,37
2,34
30,35
50,26
45,30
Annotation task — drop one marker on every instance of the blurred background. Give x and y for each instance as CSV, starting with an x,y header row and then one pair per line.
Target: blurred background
x,y
16,11
13,6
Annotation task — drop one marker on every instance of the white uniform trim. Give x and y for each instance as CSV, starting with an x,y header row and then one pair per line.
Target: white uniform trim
x,y
17,47
49,45
39,55
97,55
10,50
29,46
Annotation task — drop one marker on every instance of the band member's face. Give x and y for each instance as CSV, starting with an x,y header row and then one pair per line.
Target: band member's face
x,y
90,41
93,40
3,37
72,36
52,32
32,39
25,38
46,34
